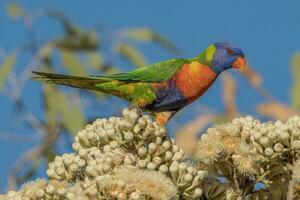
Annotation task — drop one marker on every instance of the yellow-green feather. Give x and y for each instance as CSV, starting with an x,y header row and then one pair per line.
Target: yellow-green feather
x,y
138,93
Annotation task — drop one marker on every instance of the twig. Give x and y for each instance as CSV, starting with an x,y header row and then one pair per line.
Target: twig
x,y
28,156
17,137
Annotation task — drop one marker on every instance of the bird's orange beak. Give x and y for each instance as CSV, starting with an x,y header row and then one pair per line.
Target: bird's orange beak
x,y
239,63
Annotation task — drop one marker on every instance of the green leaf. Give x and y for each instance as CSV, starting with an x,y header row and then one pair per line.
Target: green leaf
x,y
148,35
141,34
6,67
72,116
51,106
132,54
15,10
296,86
166,43
59,109
95,60
72,62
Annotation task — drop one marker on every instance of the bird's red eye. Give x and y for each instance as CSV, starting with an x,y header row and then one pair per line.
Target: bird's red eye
x,y
229,51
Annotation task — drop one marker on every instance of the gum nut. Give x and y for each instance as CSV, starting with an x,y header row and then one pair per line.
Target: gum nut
x,y
284,127
113,144
175,148
73,167
166,145
133,117
152,147
122,196
60,171
271,134
50,189
70,196
110,132
278,147
296,132
265,141
142,121
125,112
178,156
190,170
137,128
90,135
51,173
284,135
82,133
151,166
128,135
202,173
89,127
91,171
61,191
256,135
40,193
82,153
296,144
188,177
163,168
81,163
142,164
157,160
197,193
158,140
134,196
269,151
182,167
168,155
76,146
142,151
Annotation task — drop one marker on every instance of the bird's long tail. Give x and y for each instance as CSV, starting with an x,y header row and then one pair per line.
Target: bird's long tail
x,y
85,82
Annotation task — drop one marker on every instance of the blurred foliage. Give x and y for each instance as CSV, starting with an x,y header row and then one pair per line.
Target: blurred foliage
x,y
83,51
296,87
71,116
6,67
15,10
131,53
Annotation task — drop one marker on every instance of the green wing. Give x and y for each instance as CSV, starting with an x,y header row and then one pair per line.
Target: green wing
x,y
157,72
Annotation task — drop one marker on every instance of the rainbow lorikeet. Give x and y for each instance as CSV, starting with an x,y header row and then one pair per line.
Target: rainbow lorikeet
x,y
162,88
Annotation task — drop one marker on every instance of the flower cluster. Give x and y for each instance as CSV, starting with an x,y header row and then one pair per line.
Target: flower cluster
x,y
251,150
128,157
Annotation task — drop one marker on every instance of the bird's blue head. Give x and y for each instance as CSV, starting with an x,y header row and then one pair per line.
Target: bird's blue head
x,y
222,56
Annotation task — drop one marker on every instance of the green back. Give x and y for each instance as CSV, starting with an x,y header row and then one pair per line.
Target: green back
x,y
157,72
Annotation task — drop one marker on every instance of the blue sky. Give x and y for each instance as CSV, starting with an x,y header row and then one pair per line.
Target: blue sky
x,y
268,32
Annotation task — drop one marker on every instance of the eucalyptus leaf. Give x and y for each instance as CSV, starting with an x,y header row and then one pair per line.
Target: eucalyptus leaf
x,y
71,61
132,54
296,86
15,10
95,60
141,34
7,67
60,111
148,35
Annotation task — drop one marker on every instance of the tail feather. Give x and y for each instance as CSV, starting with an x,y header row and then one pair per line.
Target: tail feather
x,y
86,82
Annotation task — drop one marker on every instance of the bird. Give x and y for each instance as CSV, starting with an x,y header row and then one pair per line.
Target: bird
x,y
162,88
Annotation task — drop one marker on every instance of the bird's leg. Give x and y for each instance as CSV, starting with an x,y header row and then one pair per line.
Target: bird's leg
x,y
162,118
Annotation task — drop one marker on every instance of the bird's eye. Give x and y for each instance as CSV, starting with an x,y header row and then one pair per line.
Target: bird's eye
x,y
229,51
